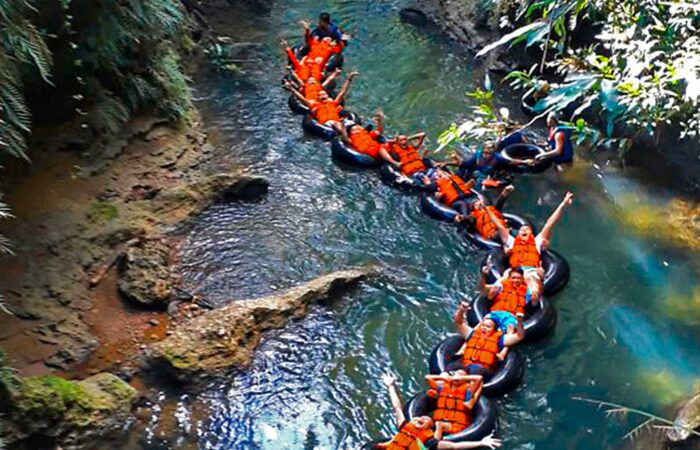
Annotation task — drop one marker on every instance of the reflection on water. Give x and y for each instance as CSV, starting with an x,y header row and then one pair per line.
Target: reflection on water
x,y
315,384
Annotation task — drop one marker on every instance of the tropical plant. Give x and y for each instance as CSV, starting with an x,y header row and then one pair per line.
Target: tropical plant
x,y
22,48
642,71
105,60
651,422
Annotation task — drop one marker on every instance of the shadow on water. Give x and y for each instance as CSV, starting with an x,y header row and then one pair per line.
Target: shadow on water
x,y
315,384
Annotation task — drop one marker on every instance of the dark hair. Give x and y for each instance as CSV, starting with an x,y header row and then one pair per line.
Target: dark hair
x,y
324,17
517,270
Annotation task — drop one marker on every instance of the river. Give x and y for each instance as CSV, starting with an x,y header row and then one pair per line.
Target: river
x,y
621,335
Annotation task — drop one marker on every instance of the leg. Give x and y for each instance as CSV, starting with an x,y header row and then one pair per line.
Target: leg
x,y
533,279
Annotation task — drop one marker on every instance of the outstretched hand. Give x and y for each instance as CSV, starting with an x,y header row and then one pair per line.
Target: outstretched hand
x,y
490,442
284,43
304,24
568,199
353,74
389,379
508,189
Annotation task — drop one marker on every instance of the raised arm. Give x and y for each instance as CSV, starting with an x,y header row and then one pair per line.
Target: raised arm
x,y
307,32
419,138
389,381
556,215
501,200
346,86
331,78
487,442
502,230
288,86
462,328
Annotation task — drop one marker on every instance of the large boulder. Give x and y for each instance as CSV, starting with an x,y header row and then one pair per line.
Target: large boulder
x,y
69,414
144,277
227,337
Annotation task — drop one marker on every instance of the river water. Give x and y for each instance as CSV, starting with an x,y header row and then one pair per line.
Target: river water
x,y
623,334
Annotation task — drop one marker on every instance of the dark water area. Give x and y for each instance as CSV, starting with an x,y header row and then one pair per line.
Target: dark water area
x,y
315,385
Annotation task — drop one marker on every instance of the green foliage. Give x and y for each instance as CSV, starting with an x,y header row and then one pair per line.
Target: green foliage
x,y
121,57
643,70
485,123
22,48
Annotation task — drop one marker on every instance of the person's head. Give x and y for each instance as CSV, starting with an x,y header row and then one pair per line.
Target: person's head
x,y
323,96
328,40
476,205
459,373
525,232
422,422
487,326
552,119
488,150
402,140
318,60
516,276
356,129
311,80
324,20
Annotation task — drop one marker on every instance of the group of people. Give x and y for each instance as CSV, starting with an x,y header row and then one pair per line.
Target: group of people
x,y
457,390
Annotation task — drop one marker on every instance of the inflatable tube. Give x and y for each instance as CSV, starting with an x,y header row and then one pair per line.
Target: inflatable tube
x,y
556,270
393,177
312,126
483,417
324,131
539,320
525,151
345,154
513,221
437,210
336,61
296,106
507,375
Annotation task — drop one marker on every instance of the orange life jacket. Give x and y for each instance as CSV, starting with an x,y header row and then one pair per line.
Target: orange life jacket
x,y
484,225
410,159
482,349
452,188
322,49
310,69
510,299
410,438
325,111
451,407
524,253
311,91
363,142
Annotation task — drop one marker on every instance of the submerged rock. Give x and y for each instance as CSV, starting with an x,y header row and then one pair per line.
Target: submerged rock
x,y
688,418
65,413
228,337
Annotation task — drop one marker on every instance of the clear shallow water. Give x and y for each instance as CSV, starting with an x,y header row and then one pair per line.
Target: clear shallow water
x,y
315,384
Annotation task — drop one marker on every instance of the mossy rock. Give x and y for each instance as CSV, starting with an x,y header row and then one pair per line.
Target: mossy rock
x,y
68,412
102,212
